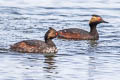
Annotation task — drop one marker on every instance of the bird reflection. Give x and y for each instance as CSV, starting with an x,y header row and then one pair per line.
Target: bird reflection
x,y
91,68
49,63
93,43
92,59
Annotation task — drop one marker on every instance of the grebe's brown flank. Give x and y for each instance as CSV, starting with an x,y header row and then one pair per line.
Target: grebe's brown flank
x,y
37,46
80,34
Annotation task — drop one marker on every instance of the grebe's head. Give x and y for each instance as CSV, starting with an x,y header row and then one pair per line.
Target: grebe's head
x,y
51,33
96,19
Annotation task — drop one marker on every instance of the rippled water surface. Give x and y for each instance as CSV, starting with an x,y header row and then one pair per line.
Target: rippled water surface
x,y
75,60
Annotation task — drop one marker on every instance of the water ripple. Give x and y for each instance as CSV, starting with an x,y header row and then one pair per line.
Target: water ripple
x,y
75,60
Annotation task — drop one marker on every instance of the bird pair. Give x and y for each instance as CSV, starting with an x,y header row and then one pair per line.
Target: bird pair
x,y
37,46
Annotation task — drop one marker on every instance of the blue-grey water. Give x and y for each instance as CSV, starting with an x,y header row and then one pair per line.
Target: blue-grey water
x,y
75,60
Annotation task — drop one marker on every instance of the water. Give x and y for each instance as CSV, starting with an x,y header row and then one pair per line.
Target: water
x,y
75,60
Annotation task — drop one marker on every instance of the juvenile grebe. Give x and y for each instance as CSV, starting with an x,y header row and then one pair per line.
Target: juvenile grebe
x,y
80,34
37,46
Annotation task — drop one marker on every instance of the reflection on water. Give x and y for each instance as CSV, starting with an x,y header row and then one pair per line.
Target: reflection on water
x,y
49,60
93,43
92,59
50,65
92,67
75,60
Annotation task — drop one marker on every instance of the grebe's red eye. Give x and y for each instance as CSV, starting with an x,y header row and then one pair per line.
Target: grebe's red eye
x,y
56,33
99,18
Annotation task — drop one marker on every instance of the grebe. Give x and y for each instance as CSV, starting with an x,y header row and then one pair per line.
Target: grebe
x,y
37,46
80,34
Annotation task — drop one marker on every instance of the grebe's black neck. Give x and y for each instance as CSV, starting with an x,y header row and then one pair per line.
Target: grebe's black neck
x,y
93,30
49,42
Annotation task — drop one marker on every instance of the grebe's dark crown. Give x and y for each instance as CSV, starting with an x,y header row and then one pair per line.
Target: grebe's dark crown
x,y
96,15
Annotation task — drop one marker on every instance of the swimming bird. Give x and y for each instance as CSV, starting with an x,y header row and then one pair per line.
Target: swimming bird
x,y
37,46
80,34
